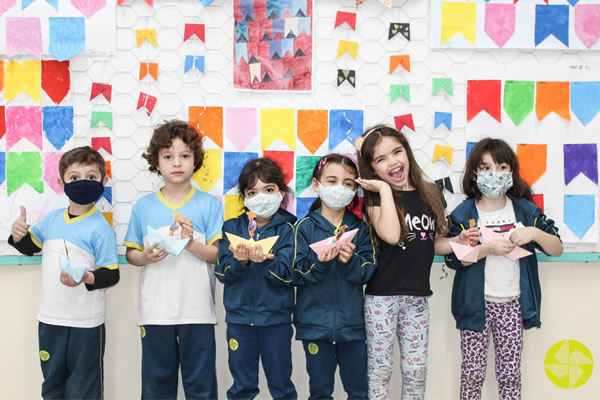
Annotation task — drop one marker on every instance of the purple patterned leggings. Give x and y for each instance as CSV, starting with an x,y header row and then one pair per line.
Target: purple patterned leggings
x,y
505,323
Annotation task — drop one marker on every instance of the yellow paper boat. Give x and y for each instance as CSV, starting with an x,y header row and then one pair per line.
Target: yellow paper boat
x,y
267,244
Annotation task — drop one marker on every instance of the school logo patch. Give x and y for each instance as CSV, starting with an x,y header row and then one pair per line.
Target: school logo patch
x,y
44,355
142,332
313,348
233,344
568,364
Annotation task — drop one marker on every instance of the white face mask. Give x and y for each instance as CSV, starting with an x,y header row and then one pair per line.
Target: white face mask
x,y
335,197
264,205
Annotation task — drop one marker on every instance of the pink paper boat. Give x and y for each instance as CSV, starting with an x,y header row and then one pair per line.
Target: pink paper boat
x,y
487,235
330,242
465,253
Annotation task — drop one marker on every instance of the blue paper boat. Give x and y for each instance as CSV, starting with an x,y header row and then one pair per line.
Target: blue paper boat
x,y
172,244
72,270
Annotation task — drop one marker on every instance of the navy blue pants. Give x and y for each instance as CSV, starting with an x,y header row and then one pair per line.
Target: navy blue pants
x,y
72,361
273,345
164,347
322,357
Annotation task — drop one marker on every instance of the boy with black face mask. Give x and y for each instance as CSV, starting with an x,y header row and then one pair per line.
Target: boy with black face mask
x,y
79,246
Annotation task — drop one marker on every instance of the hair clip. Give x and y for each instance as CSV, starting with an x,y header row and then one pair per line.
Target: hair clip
x,y
359,140
322,162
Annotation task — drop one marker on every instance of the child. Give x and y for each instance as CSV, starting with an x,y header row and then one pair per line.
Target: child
x,y
497,294
406,215
176,310
71,316
328,314
258,295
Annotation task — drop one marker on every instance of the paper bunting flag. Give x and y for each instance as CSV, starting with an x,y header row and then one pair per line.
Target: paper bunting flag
x,y
194,30
581,158
587,23
194,61
387,3
278,123
101,116
67,37
241,126
1,75
285,161
88,7
579,213
6,4
208,121
500,22
149,2
26,3
403,60
470,146
2,122
109,218
149,69
552,20
347,17
207,3
333,241
102,143
585,100
518,99
304,170
344,125
538,199
53,3
313,126
440,118
234,206
487,234
552,96
171,244
24,76
24,123
348,46
404,120
458,18
484,95
146,101
303,205
397,90
107,194
399,27
75,272
103,89
444,183
210,172
532,161
443,151
56,79
465,253
267,244
24,168
141,35
108,168
235,162
2,167
23,34
348,75
443,83
57,124
51,172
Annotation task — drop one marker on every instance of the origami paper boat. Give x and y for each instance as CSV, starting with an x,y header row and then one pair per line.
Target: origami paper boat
x,y
72,270
518,252
172,244
267,244
330,242
465,253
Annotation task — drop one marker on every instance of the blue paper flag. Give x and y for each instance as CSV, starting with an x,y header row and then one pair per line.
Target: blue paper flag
x,y
470,146
53,3
573,2
198,61
57,123
442,118
241,32
273,9
26,3
278,48
241,51
298,5
2,167
107,194
303,206
234,162
585,100
67,37
345,125
207,3
278,27
247,9
552,20
579,213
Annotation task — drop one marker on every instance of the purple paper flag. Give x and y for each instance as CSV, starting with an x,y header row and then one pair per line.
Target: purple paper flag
x,y
23,34
581,158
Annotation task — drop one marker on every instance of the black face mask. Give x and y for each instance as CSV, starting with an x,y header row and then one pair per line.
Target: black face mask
x,y
84,191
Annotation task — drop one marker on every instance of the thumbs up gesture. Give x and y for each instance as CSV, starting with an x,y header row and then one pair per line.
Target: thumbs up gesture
x,y
20,227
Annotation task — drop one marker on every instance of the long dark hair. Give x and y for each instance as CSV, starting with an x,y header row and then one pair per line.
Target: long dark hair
x,y
344,161
267,171
500,152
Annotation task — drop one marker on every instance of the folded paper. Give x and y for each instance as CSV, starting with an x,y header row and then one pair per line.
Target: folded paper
x,y
267,244
446,152
398,27
348,46
194,61
171,244
487,235
347,17
102,143
464,252
75,272
148,69
443,83
404,120
397,90
440,118
403,60
348,75
444,183
197,30
103,89
333,241
141,35
101,116
146,101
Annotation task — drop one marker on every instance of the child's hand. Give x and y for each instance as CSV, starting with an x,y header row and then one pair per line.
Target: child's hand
x,y
256,254
240,253
469,237
372,185
500,247
187,228
66,280
346,251
150,256
20,227
523,236
328,255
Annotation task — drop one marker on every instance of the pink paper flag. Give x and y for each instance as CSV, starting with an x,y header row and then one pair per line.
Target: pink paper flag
x,y
23,123
488,234
51,173
240,126
330,242
500,22
465,253
23,34
587,23
88,7
6,4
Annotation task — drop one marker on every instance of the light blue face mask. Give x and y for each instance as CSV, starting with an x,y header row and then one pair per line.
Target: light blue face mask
x,y
264,205
494,184
335,197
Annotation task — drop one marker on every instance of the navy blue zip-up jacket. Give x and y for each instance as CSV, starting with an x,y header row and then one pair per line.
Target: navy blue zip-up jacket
x,y
259,294
468,302
329,298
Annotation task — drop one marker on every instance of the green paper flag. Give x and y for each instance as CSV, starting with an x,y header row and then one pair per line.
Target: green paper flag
x,y
397,90
304,171
24,168
443,83
101,116
518,99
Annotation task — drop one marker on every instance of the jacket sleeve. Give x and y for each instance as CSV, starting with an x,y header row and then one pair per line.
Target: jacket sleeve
x,y
547,225
363,262
279,270
228,269
455,229
307,267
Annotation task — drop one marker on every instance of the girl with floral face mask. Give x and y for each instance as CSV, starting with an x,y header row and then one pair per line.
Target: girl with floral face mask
x,y
258,294
328,314
498,295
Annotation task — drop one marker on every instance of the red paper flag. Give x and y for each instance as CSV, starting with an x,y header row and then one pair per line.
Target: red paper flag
x,y
538,199
108,168
56,79
347,17
101,89
102,143
147,101
285,160
193,29
149,2
2,122
404,120
484,96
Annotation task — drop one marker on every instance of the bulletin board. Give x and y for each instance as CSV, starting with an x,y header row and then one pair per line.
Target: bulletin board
x,y
373,64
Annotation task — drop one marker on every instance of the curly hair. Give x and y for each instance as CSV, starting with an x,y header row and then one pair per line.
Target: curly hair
x,y
83,155
163,137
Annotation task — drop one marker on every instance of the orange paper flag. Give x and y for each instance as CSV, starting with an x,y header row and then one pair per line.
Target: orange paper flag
x,y
108,169
109,218
149,68
532,161
208,121
312,128
399,60
552,96
1,75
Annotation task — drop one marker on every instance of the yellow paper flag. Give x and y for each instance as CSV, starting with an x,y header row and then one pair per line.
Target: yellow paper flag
x,y
458,18
347,46
277,123
210,172
142,35
1,75
109,217
25,76
443,151
234,206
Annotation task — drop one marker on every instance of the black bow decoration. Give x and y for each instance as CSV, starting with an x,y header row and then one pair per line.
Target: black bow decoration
x,y
398,27
346,75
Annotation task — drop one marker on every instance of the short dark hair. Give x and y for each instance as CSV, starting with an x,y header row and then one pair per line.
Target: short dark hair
x,y
163,137
267,171
345,162
83,155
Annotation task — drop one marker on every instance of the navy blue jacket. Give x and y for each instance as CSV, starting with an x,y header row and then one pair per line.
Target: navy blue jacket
x,y
259,294
468,302
329,298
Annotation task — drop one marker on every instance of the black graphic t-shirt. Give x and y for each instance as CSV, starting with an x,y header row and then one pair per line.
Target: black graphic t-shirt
x,y
404,269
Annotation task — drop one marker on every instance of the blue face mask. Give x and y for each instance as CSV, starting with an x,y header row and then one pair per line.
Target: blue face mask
x,y
494,184
84,191
264,205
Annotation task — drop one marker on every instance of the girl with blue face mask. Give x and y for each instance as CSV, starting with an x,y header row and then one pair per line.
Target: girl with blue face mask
x,y
258,294
328,315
